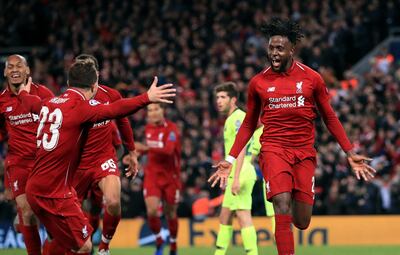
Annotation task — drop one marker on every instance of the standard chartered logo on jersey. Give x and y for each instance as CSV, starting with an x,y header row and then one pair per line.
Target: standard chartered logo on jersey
x,y
286,102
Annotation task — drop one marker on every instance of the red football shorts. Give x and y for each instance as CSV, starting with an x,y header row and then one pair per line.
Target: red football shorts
x,y
86,180
17,175
168,191
289,170
63,219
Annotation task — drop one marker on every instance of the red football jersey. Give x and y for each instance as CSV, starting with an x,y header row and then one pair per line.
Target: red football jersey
x,y
164,155
99,143
20,124
63,128
288,104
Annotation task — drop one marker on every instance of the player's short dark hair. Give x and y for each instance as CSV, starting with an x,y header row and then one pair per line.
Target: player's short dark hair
x,y
286,28
82,74
90,57
229,87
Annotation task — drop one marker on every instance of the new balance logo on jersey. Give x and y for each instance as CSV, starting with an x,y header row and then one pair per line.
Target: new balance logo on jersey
x,y
15,184
85,232
271,89
299,87
9,109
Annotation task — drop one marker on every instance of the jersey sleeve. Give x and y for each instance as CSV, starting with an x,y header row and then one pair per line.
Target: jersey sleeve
x,y
250,121
171,141
92,111
255,149
321,96
124,127
31,102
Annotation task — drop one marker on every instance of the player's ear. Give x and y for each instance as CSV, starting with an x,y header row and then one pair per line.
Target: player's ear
x,y
28,70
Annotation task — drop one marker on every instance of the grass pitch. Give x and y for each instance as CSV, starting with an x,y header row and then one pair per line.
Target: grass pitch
x,y
320,250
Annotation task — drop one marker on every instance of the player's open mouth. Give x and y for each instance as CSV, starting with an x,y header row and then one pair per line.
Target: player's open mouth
x,y
16,75
276,63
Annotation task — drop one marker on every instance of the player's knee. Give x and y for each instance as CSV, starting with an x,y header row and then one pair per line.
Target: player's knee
x,y
113,206
87,247
152,211
282,207
301,223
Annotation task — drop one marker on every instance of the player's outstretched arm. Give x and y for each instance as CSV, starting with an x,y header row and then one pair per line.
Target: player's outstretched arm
x,y
360,167
221,175
127,106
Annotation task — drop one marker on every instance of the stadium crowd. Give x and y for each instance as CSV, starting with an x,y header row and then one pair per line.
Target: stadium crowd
x,y
197,44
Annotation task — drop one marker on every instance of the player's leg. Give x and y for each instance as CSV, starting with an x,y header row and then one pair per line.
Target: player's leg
x,y
269,208
277,173
243,213
303,194
28,224
111,188
171,197
225,231
170,210
152,195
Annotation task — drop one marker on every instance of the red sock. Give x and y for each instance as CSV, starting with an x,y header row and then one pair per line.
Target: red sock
x,y
94,220
110,224
173,231
155,227
32,239
53,248
284,234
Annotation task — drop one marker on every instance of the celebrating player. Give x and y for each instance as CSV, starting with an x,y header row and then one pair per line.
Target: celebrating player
x,y
161,174
287,94
98,172
63,129
21,126
237,196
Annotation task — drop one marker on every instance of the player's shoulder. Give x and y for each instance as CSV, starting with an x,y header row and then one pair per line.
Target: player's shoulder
x,y
108,91
170,124
307,70
41,90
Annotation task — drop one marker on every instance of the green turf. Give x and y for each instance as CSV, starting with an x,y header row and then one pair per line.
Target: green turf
x,y
327,250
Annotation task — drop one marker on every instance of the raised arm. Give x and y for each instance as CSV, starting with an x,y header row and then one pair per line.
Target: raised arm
x,y
31,102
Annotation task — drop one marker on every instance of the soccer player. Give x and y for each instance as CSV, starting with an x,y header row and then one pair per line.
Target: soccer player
x,y
63,129
98,172
237,195
288,94
21,126
161,174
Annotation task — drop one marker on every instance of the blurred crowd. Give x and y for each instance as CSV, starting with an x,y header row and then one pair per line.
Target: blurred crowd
x,y
198,44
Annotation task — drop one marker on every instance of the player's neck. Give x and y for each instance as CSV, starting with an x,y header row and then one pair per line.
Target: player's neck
x,y
232,109
160,122
14,88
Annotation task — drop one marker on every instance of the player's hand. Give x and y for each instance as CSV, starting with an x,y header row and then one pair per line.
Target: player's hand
x,y
360,167
133,165
162,93
221,175
26,87
235,187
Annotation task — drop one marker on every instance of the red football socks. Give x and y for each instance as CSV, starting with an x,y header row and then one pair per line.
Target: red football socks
x,y
52,248
284,234
155,227
94,220
31,238
110,224
173,231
